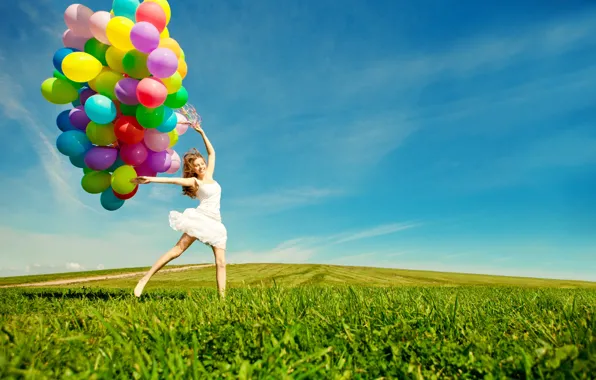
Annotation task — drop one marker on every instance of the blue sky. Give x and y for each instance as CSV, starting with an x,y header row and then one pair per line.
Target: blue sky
x,y
456,136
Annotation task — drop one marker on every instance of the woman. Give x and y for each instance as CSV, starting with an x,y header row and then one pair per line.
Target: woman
x,y
202,223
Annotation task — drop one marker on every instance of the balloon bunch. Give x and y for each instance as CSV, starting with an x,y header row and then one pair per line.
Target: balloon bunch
x,y
123,75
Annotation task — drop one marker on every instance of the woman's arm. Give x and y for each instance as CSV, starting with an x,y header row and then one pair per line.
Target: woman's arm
x,y
174,181
210,150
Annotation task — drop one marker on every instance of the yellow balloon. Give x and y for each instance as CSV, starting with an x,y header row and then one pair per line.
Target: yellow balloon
x,y
81,67
182,55
58,91
92,82
172,44
182,68
112,13
118,33
165,33
165,6
114,57
173,137
173,83
106,82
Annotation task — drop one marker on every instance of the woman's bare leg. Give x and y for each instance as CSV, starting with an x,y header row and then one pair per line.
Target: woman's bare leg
x,y
182,245
220,270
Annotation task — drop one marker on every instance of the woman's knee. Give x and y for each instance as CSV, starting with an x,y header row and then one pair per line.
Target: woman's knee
x,y
220,258
182,245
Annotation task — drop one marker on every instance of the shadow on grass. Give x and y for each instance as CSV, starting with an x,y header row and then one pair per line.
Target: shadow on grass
x,y
100,295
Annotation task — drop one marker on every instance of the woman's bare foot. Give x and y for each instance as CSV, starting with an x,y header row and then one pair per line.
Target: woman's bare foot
x,y
140,286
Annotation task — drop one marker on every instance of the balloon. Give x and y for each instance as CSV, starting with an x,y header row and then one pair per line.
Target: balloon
x,y
63,121
114,57
182,68
175,159
165,6
151,92
78,161
159,161
81,67
109,201
106,82
97,49
177,99
173,83
96,182
181,128
118,33
86,94
182,55
100,109
101,134
127,196
169,121
77,18
128,110
58,91
173,138
76,103
128,130
162,63
121,179
76,85
72,40
73,143
116,164
91,83
59,56
144,36
165,33
135,64
98,23
151,13
126,91
150,117
134,154
101,157
156,141
145,170
125,8
171,44
78,118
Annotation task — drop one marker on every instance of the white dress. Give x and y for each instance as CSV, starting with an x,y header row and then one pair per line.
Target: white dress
x,y
203,222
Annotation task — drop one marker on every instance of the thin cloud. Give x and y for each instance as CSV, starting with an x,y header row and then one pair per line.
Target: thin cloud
x,y
285,199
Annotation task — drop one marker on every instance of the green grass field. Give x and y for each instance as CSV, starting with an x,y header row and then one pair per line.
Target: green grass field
x,y
305,322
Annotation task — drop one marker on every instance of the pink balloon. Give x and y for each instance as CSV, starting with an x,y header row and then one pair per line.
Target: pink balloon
x,y
77,18
71,40
145,170
98,24
133,154
155,140
181,128
175,161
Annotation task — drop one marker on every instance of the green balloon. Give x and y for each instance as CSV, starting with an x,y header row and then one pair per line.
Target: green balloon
x,y
58,75
58,91
101,134
97,49
128,110
105,83
149,117
135,64
121,179
96,182
177,99
87,170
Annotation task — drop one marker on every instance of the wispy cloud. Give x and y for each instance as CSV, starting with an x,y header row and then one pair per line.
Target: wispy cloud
x,y
373,232
285,199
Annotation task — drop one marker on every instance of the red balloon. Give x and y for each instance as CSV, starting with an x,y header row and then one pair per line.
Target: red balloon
x,y
126,196
151,92
128,130
152,13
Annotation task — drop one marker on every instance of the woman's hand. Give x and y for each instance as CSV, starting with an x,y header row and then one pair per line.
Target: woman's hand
x,y
197,127
141,180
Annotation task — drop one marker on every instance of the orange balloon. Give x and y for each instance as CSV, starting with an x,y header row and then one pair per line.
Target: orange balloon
x,y
182,68
171,44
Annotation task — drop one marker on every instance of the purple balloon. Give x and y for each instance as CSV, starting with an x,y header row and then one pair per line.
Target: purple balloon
x,y
126,91
144,36
159,161
162,63
144,170
101,157
78,118
133,154
86,94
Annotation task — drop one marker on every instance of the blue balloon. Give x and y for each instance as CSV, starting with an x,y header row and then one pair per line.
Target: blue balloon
x,y
73,143
116,164
100,109
63,121
76,103
125,8
59,56
109,201
78,161
170,120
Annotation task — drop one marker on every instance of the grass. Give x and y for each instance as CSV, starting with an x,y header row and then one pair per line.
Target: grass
x,y
417,330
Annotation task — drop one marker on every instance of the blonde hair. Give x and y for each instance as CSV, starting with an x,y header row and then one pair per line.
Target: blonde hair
x,y
188,171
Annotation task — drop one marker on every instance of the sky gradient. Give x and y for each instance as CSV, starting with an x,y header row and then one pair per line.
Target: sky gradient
x,y
453,136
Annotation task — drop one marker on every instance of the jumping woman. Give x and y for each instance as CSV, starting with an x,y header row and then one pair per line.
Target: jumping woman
x,y
202,223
